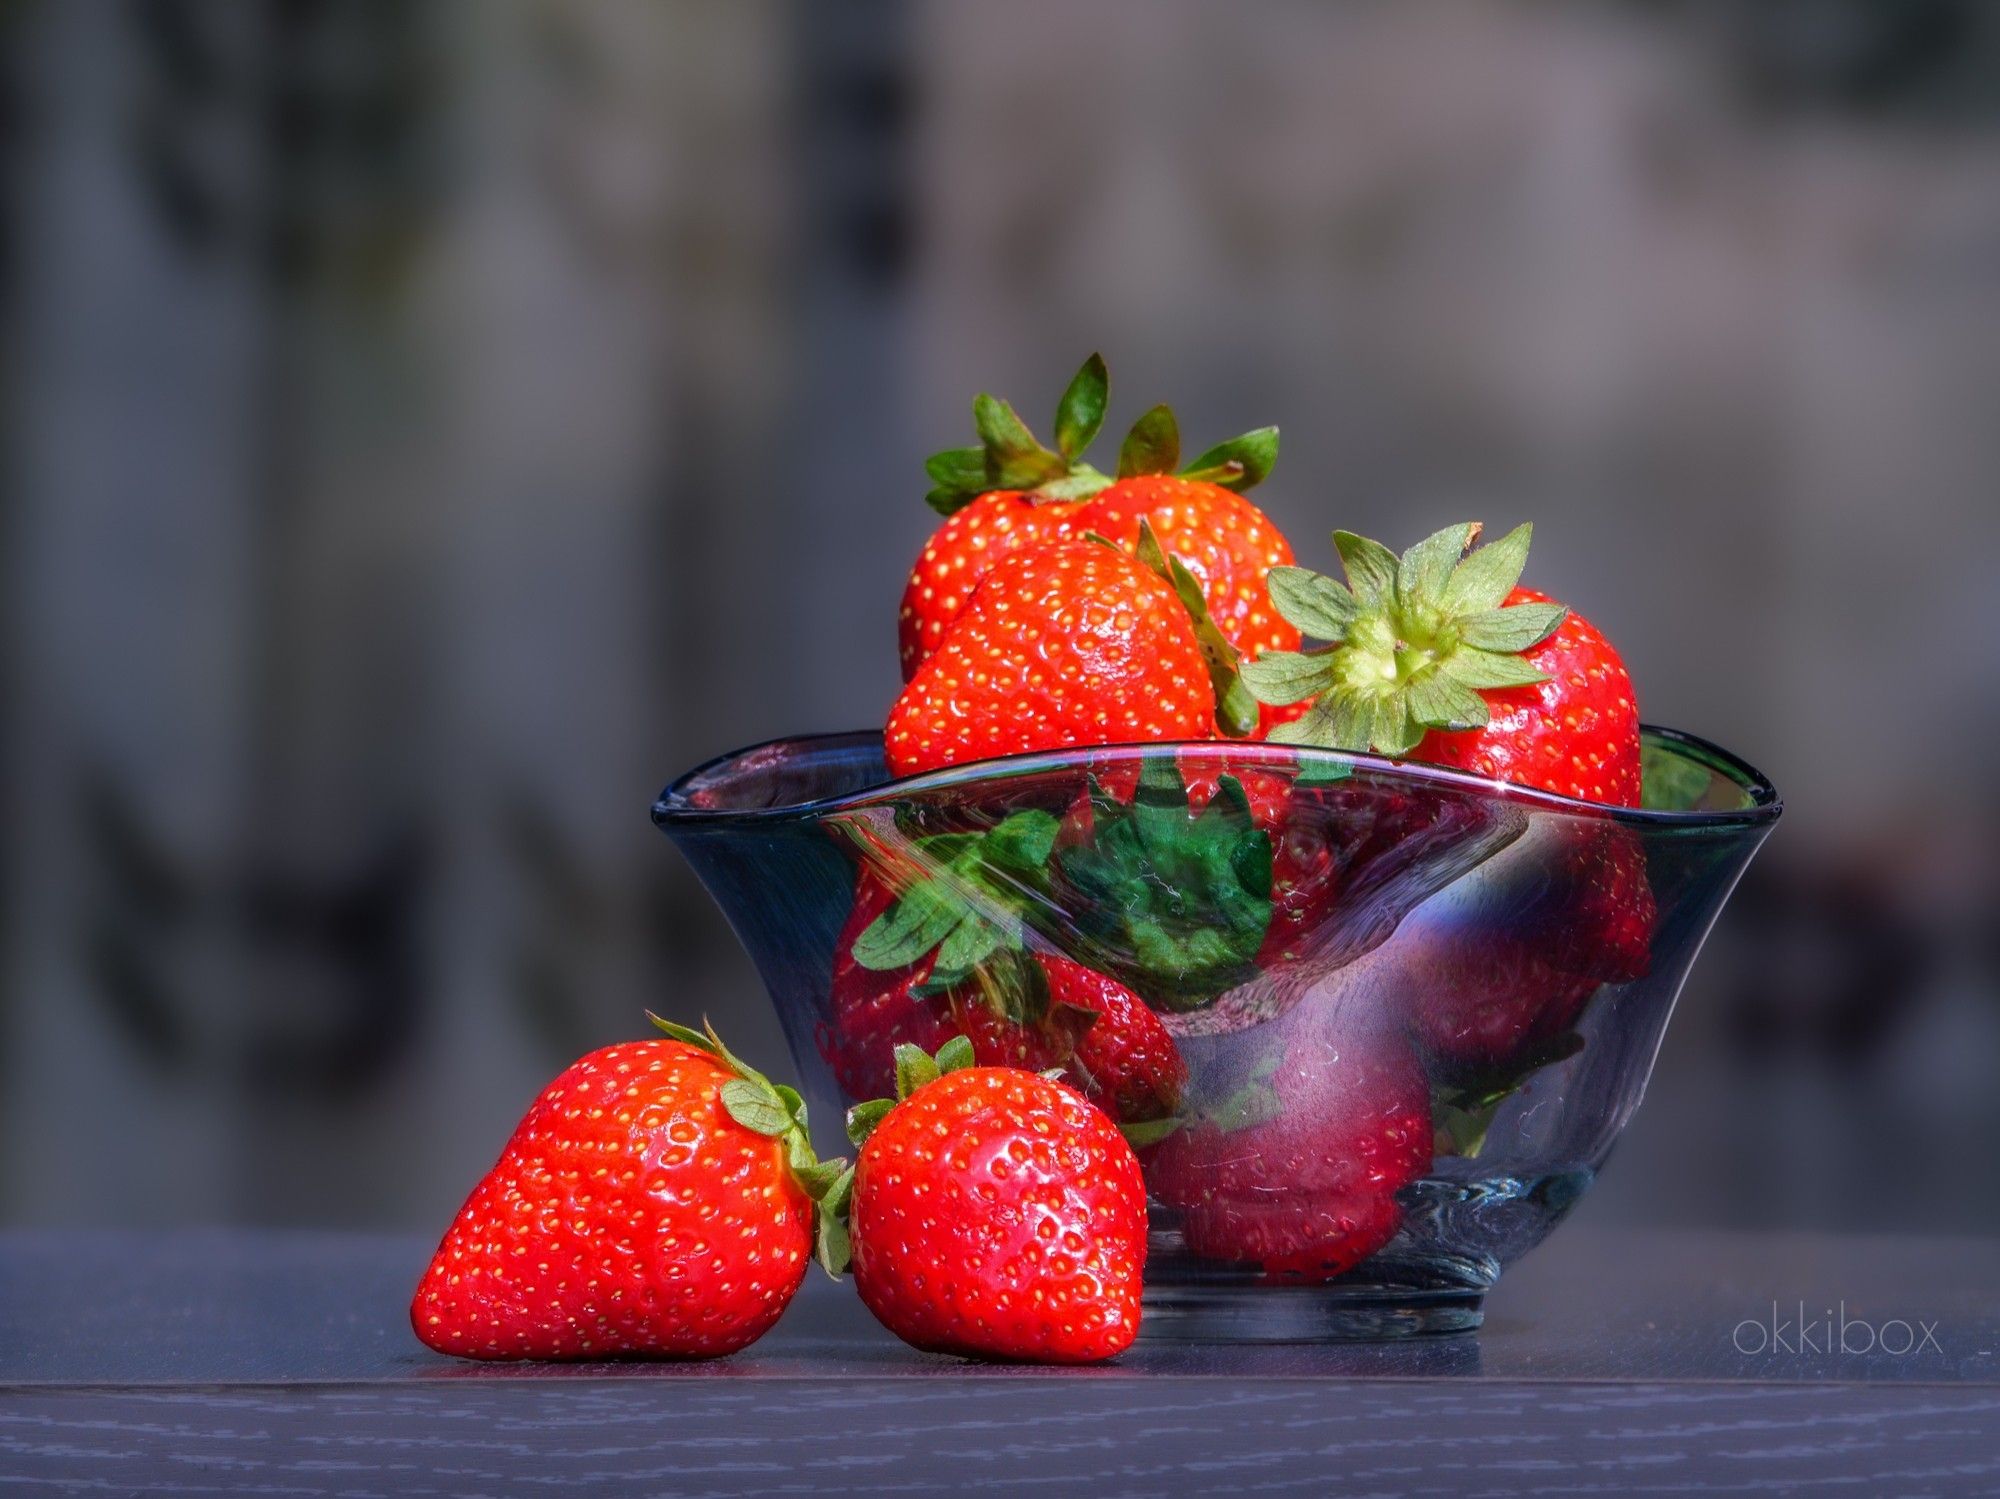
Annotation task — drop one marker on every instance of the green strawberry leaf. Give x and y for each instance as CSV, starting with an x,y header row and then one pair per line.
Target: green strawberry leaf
x,y
1176,901
1023,841
1371,567
834,1247
1153,446
954,1054
1080,413
863,1117
957,906
1240,463
1414,641
914,1069
958,468
682,1033
818,1178
1144,1132
755,1108
1518,627
1484,579
1235,709
1670,782
971,943
1014,459
1463,1114
795,1105
1283,677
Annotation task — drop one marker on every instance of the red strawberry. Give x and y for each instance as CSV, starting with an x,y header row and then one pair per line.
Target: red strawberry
x,y
1125,1061
1069,644
1004,496
960,552
1575,733
995,1214
656,1199
1438,656
944,958
1297,1173
874,1010
1510,966
1227,543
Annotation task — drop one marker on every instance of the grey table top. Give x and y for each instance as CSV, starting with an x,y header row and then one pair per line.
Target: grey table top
x,y
233,1361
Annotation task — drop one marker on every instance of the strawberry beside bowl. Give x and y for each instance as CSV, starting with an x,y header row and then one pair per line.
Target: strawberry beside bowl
x,y
1372,1026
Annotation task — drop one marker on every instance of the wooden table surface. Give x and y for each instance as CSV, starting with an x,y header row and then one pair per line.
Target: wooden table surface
x,y
281,1364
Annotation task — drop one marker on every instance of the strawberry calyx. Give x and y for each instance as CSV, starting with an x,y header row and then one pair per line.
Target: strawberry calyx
x,y
1236,712
1179,901
1153,446
915,1068
1009,455
768,1108
1412,640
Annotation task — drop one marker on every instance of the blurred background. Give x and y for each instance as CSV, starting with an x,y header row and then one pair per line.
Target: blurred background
x,y
429,427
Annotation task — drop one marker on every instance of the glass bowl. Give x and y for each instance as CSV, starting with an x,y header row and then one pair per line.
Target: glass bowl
x,y
1372,1026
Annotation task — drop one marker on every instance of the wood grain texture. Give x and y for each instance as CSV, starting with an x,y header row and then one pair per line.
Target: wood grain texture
x,y
281,1364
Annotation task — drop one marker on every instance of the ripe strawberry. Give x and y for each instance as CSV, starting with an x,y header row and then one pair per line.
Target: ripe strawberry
x,y
1011,493
656,1199
1004,496
1440,656
873,1011
1297,1172
1418,644
945,958
1125,1061
1227,542
995,1214
960,552
1069,644
1575,733
1508,966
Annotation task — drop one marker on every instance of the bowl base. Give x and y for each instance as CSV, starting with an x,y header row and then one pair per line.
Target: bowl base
x,y
1344,1313
1395,1295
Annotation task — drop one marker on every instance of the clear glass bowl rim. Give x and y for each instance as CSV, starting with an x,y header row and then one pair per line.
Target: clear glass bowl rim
x,y
673,809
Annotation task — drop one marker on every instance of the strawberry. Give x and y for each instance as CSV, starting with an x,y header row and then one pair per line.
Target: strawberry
x,y
1006,495
1074,643
960,552
1576,732
1011,493
656,1199
1509,966
874,1011
992,1213
1226,542
1297,1171
945,957
1438,656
